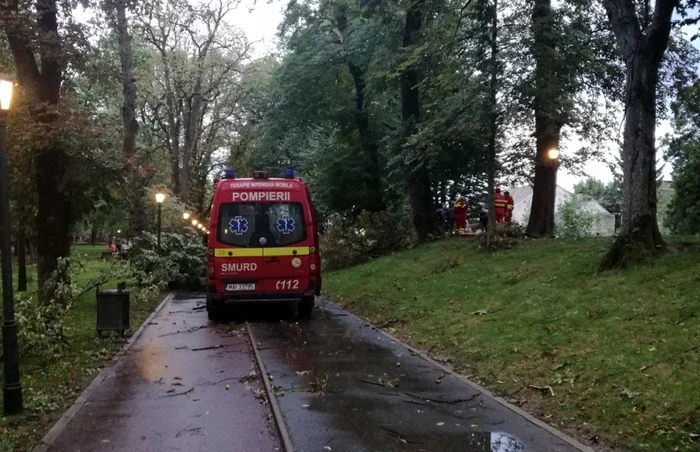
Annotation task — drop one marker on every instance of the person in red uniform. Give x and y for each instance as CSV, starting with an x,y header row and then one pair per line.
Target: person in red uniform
x,y
499,205
460,214
509,207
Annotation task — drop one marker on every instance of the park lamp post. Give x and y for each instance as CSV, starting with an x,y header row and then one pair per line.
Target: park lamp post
x,y
160,198
195,223
553,157
12,387
186,216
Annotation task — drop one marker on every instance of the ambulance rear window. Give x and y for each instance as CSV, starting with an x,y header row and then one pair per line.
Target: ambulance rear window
x,y
244,224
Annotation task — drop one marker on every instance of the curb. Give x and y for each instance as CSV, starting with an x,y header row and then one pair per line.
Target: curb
x,y
277,413
500,400
61,424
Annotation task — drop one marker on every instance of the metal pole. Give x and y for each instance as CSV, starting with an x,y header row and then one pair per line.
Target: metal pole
x,y
12,387
553,226
159,222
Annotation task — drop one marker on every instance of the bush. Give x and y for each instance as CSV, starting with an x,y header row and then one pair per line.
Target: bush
x,y
575,222
351,241
180,263
505,236
40,327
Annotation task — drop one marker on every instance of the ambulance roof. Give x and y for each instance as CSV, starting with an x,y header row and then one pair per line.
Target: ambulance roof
x,y
260,184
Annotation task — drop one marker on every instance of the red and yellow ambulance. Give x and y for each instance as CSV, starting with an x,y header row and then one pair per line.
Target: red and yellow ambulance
x,y
263,243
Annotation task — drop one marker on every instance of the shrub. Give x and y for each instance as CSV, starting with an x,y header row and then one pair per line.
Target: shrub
x,y
575,223
351,241
505,236
40,327
180,263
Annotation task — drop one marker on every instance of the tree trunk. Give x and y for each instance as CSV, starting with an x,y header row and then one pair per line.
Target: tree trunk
x,y
419,176
21,260
42,86
93,233
542,210
639,238
53,215
642,50
133,182
493,126
369,144
547,126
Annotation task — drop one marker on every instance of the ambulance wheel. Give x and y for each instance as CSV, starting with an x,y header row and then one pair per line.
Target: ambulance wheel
x,y
305,307
215,313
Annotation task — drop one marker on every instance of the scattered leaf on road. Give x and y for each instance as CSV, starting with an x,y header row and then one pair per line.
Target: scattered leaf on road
x,y
480,312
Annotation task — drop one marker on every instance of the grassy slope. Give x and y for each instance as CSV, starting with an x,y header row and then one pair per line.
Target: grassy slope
x,y
51,385
620,351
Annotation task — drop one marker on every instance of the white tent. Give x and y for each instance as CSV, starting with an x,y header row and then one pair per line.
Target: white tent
x,y
603,221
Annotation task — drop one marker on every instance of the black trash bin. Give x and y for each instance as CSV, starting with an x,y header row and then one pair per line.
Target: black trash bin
x,y
113,309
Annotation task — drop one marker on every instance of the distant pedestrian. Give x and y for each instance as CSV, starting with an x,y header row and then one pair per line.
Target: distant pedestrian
x,y
460,213
113,247
499,205
509,208
484,218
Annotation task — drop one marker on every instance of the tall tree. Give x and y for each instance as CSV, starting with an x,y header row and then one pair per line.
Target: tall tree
x,y
642,38
197,64
419,189
493,123
41,56
133,181
548,124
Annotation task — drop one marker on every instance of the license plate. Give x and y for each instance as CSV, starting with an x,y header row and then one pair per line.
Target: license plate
x,y
239,287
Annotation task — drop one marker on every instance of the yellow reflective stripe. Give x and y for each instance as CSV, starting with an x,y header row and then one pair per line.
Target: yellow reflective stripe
x,y
260,252
288,251
238,252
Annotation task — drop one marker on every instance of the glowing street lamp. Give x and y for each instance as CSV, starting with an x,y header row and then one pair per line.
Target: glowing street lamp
x,y
12,387
160,198
186,215
553,154
195,223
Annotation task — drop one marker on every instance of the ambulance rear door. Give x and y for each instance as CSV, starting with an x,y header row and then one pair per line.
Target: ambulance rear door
x,y
239,262
287,251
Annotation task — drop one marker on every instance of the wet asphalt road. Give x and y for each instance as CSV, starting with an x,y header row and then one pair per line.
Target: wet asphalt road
x,y
168,394
341,386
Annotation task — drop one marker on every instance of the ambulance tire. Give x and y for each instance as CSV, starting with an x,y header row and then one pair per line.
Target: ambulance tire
x,y
305,307
215,313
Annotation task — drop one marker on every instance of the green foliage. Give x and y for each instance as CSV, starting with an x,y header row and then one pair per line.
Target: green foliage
x,y
353,240
684,151
179,263
607,195
574,222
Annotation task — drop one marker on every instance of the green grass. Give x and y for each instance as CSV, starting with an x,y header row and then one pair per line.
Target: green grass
x,y
618,350
51,385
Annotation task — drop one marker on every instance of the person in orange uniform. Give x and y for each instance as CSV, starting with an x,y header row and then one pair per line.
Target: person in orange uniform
x,y
510,202
499,205
460,214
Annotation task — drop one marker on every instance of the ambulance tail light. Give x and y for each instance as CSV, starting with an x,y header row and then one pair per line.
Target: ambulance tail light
x,y
210,251
210,270
313,267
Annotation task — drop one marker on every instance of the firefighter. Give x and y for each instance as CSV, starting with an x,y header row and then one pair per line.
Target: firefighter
x,y
460,214
510,202
499,205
